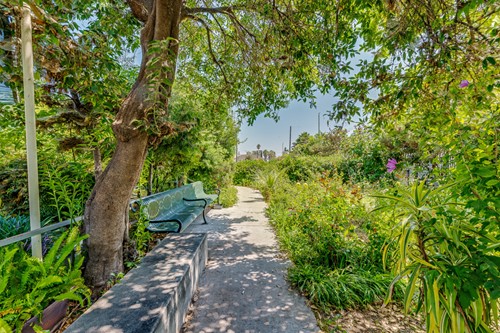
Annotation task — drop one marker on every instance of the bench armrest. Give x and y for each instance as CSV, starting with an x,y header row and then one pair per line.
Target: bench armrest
x,y
200,199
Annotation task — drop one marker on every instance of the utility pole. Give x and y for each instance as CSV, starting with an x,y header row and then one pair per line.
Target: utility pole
x,y
290,140
319,129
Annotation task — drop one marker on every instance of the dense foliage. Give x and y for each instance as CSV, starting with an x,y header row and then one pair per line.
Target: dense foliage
x,y
332,241
425,85
439,242
455,266
28,285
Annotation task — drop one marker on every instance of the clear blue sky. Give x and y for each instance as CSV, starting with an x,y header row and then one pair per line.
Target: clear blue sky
x,y
273,135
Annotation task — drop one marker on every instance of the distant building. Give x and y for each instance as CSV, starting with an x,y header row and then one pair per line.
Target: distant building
x,y
240,158
265,155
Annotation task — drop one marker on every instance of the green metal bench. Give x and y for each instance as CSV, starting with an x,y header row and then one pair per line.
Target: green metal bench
x,y
174,210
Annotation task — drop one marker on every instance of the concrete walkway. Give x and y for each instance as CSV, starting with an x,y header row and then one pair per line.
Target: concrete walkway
x,y
243,289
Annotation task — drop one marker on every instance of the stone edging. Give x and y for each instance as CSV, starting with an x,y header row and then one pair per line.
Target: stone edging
x,y
153,297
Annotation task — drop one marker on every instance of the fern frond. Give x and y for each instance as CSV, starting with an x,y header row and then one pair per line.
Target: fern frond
x,y
32,271
48,281
68,249
72,296
51,255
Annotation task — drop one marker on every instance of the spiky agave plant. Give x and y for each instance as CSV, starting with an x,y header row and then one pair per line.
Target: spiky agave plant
x,y
450,263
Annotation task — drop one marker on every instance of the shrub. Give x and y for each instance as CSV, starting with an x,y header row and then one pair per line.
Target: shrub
x,y
140,236
228,196
450,260
246,171
303,168
335,246
66,187
267,180
13,225
14,187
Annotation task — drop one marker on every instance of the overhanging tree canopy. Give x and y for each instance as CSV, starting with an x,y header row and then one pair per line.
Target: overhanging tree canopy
x,y
253,55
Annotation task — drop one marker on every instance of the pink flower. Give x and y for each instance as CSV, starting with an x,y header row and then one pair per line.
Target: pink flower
x,y
391,165
463,84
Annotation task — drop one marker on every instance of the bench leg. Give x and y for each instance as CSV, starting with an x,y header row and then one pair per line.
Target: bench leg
x,y
204,217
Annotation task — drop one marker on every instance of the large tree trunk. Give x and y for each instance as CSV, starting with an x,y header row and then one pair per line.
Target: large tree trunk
x,y
106,211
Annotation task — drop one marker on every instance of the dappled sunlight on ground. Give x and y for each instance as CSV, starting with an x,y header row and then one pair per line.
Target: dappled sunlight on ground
x,y
243,288
376,319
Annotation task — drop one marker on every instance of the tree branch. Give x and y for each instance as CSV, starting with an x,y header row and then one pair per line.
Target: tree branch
x,y
209,40
215,10
225,10
476,30
141,9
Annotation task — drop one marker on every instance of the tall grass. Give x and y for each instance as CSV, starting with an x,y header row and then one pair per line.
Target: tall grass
x,y
340,288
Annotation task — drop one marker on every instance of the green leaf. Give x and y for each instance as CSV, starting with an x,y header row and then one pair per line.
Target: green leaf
x,y
477,310
69,296
49,259
4,327
411,287
486,172
491,60
492,182
48,281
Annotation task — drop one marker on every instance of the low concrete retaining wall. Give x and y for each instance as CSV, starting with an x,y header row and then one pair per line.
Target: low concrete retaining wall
x,y
155,296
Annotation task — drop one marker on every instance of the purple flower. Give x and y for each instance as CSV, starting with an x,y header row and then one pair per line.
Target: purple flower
x,y
391,165
463,84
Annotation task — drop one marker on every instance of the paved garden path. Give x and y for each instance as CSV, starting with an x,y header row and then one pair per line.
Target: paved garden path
x,y
243,289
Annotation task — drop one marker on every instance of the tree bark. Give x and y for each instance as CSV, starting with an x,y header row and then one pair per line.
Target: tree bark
x,y
97,162
106,211
150,179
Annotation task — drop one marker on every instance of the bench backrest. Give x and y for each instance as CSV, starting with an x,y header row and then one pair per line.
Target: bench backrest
x,y
194,190
168,201
163,202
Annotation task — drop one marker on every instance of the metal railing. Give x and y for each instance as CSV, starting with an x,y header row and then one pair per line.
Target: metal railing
x,y
42,230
